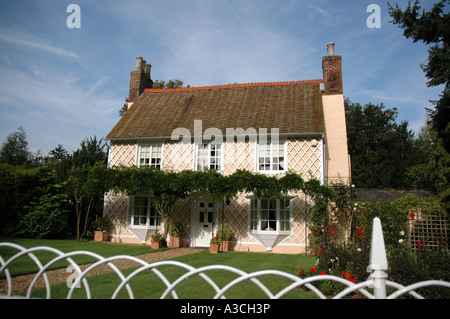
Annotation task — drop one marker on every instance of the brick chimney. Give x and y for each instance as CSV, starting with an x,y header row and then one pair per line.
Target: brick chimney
x,y
332,72
139,79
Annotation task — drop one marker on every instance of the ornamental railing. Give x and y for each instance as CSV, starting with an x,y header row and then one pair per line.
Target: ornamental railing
x,y
373,288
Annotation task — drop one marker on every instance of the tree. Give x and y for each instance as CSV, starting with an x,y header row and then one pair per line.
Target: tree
x,y
18,187
86,185
91,151
432,28
15,150
48,213
380,149
59,152
171,84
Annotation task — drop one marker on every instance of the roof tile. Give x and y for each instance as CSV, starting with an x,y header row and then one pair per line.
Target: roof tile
x,y
293,107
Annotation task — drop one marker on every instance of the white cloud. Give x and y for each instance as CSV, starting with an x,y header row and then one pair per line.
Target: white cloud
x,y
56,107
24,40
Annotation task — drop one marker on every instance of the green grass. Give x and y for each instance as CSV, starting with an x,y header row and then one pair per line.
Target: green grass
x,y
24,265
148,286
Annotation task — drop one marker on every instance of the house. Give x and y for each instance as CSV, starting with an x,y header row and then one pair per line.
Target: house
x,y
268,128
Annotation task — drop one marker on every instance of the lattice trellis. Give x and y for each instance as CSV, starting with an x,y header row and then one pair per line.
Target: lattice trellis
x,y
115,208
182,213
428,230
178,156
240,155
122,153
304,156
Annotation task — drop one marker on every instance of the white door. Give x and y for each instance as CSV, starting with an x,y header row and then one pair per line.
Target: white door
x,y
203,222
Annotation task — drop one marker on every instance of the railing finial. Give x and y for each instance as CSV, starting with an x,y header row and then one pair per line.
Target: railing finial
x,y
378,262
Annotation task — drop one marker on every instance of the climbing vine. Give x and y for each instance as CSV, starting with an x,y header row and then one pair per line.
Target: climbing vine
x,y
169,188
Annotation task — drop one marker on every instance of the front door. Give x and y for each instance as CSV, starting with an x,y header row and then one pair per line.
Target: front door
x,y
204,221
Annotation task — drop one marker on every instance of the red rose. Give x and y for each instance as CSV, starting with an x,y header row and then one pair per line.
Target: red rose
x,y
360,230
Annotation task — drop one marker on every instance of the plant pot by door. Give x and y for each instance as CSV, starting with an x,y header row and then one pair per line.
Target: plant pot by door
x,y
156,244
225,246
174,242
101,235
214,249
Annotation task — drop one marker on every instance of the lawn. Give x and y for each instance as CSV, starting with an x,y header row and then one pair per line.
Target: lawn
x,y
24,265
148,285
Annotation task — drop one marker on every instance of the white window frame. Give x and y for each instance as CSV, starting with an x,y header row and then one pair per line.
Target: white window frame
x,y
150,149
208,157
153,219
271,156
257,220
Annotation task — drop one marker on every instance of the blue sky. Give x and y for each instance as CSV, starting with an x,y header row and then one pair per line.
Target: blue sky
x,y
63,84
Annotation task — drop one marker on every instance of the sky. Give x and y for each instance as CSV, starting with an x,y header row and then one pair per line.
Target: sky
x,y
63,84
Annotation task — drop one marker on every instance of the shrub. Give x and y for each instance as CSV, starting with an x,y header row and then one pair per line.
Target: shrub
x,y
176,229
225,232
46,218
102,223
407,267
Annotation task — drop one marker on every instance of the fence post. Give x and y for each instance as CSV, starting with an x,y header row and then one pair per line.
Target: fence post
x,y
378,262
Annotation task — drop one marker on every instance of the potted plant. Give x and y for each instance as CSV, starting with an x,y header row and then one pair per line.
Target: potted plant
x,y
214,244
102,226
176,232
226,234
157,241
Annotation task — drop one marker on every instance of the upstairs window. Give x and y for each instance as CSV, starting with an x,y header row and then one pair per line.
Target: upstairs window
x,y
271,157
208,156
150,155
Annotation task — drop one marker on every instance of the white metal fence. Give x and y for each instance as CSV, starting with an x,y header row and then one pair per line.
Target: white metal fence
x,y
373,288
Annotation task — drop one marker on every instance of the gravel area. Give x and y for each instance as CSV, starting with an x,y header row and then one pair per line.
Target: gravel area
x,y
21,283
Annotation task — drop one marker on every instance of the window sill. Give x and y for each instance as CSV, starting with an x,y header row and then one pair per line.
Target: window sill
x,y
143,227
270,232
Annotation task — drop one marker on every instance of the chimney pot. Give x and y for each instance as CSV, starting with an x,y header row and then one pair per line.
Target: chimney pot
x,y
139,79
138,63
332,72
330,49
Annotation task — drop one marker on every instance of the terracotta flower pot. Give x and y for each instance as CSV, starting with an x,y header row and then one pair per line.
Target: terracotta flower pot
x,y
156,244
174,242
214,249
101,236
225,246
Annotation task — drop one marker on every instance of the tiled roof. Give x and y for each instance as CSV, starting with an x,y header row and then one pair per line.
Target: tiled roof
x,y
293,107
